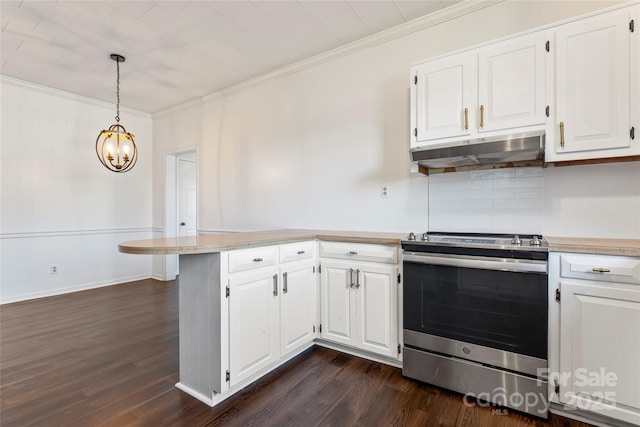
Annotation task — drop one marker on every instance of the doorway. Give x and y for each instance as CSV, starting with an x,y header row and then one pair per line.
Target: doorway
x,y
187,194
181,202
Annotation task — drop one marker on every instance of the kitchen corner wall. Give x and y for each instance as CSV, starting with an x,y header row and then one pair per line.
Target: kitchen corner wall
x,y
58,205
312,147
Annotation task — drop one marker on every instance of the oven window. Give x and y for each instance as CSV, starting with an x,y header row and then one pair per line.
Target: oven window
x,y
497,309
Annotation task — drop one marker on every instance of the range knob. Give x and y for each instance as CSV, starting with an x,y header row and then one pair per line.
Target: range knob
x,y
425,237
412,236
516,240
535,241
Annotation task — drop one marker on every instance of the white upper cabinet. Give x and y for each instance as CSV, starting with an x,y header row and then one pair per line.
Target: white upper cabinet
x,y
494,89
597,92
443,98
511,84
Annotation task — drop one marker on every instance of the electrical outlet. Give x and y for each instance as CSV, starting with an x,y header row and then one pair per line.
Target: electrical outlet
x,y
54,269
384,191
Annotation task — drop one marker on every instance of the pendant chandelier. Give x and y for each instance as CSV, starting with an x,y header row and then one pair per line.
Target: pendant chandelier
x,y
115,147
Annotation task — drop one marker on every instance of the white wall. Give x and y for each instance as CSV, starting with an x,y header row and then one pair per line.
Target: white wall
x,y
59,205
593,201
312,148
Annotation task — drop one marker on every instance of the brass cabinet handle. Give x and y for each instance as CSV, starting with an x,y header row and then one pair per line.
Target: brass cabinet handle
x,y
482,116
466,118
561,134
601,270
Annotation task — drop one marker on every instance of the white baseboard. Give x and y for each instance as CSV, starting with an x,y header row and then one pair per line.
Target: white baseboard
x,y
71,289
191,392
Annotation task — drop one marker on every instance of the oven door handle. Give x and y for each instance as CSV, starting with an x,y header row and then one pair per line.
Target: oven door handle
x,y
483,263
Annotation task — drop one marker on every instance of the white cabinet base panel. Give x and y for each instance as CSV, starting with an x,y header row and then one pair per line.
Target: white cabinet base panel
x,y
219,397
359,353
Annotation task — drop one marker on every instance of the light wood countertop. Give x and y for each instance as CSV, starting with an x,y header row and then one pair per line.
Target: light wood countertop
x,y
627,247
208,243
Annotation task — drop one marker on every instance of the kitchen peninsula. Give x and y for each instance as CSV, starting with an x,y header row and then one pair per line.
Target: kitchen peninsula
x,y
249,302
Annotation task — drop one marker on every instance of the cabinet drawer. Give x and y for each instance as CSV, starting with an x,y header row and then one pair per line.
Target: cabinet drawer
x,y
247,259
297,251
603,268
359,252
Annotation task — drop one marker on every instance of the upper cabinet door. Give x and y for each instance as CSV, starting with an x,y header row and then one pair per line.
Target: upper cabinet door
x,y
596,60
442,92
511,84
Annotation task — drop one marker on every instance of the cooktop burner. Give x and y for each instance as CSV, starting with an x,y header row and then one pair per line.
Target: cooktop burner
x,y
529,242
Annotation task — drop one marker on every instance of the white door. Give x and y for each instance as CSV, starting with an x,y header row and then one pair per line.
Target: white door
x,y
253,322
187,197
593,83
338,304
600,348
443,100
297,305
511,84
376,288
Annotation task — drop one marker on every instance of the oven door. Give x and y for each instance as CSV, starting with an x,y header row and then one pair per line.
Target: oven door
x,y
499,303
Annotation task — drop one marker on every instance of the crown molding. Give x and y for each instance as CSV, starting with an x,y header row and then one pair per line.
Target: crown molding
x,y
415,25
12,81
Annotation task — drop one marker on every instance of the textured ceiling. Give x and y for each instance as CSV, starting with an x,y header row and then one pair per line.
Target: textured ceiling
x,y
179,50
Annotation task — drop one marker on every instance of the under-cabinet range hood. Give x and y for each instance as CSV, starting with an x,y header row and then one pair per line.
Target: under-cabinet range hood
x,y
495,151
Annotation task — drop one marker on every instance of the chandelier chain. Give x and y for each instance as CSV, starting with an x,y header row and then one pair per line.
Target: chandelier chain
x,y
118,92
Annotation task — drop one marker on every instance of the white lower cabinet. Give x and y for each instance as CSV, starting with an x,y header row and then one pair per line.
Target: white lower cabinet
x,y
272,307
245,312
297,306
359,305
254,323
376,310
595,362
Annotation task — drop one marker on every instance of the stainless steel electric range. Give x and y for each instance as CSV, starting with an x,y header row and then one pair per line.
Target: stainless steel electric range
x,y
475,316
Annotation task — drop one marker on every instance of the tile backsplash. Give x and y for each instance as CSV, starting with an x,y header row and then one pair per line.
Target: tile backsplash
x,y
488,201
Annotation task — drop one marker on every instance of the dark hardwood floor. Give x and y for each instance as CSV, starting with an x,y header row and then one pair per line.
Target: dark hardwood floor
x,y
109,357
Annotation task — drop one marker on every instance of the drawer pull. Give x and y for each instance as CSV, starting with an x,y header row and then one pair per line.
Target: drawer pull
x,y
257,260
353,253
601,270
300,252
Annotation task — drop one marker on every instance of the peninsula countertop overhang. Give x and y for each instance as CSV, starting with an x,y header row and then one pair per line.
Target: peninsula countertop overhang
x,y
207,243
